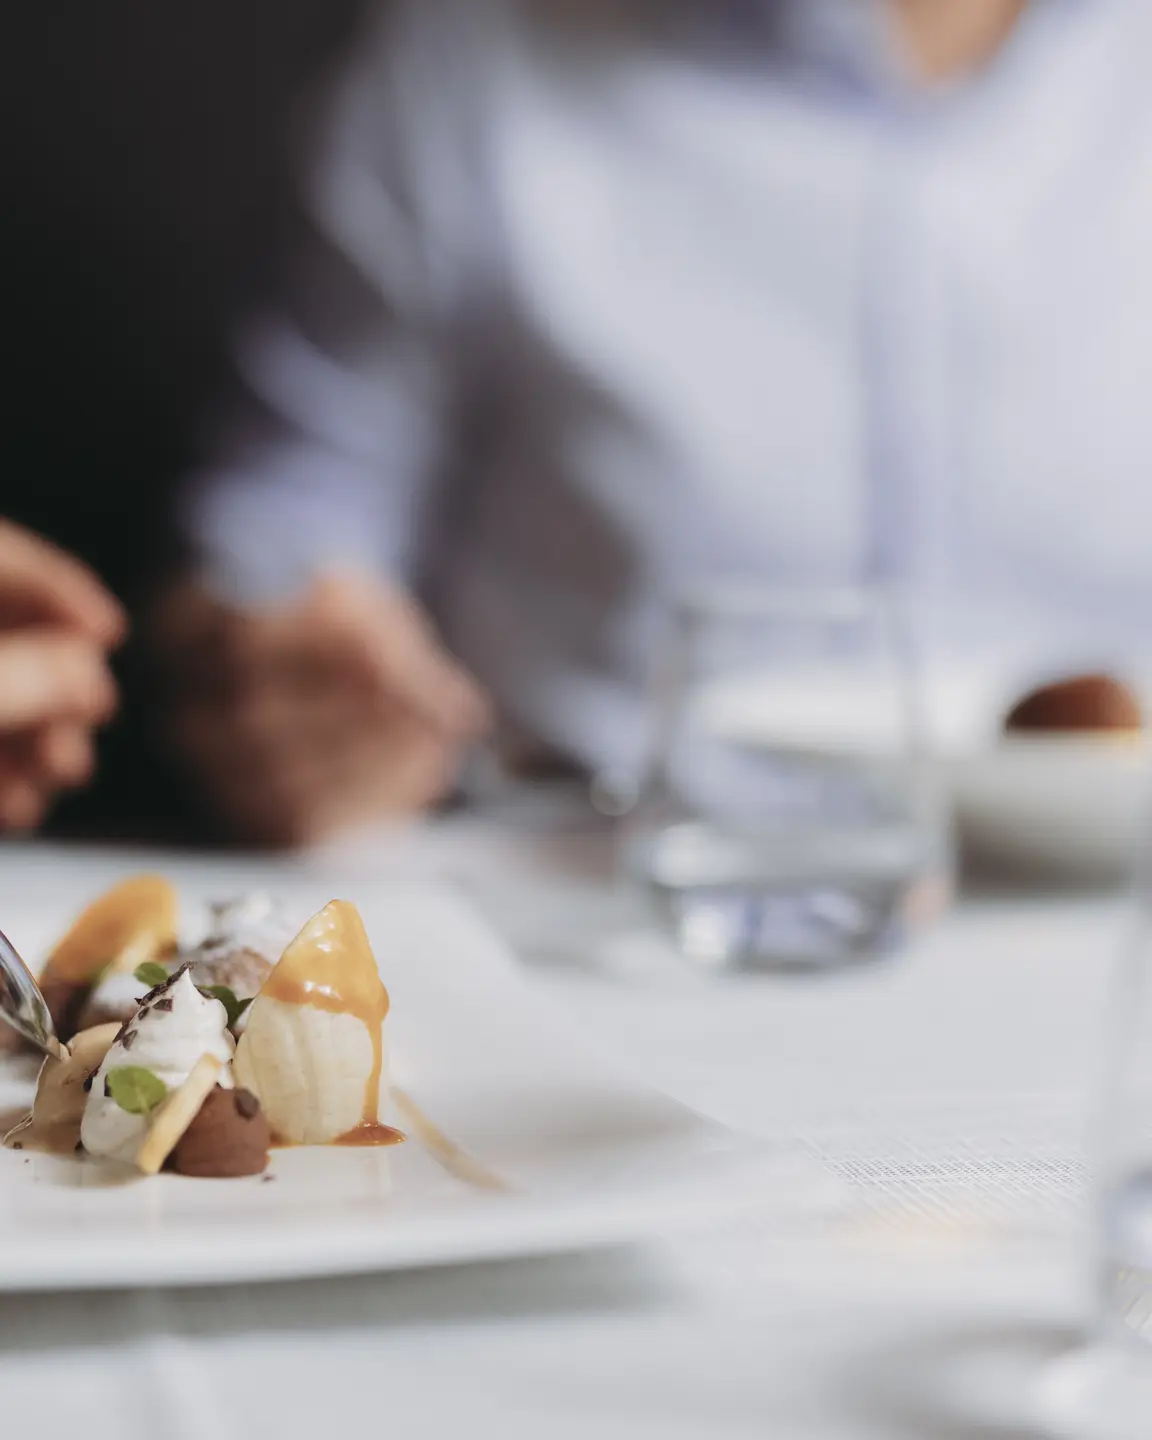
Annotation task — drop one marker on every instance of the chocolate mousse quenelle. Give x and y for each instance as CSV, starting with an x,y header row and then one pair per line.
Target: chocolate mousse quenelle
x,y
171,1087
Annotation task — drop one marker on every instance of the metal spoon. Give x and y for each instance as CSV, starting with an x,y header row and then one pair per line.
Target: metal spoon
x,y
23,1006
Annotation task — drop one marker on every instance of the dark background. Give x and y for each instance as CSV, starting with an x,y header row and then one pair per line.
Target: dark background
x,y
146,179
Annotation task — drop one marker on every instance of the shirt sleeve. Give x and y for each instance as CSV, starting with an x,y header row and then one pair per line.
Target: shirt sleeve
x,y
328,453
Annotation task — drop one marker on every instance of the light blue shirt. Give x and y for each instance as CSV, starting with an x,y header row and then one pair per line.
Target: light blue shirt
x,y
598,306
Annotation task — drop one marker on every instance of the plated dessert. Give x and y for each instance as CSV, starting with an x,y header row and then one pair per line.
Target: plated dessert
x,y
201,1060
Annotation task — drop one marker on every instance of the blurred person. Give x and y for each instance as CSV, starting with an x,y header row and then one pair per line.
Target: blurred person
x,y
57,627
597,298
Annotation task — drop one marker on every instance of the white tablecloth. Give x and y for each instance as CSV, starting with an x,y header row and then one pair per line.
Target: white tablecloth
x,y
950,1089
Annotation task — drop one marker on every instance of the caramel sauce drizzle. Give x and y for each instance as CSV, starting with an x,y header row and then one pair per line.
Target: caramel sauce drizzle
x,y
370,1132
330,965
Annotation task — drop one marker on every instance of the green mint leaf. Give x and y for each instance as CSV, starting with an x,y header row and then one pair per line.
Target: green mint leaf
x,y
227,998
135,1089
151,973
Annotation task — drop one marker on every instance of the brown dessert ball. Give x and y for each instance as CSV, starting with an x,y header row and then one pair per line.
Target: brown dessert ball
x,y
242,970
1083,702
229,1137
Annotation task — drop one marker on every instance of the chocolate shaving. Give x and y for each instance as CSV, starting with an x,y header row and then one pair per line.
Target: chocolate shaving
x,y
88,1083
246,1104
107,1089
129,1040
158,993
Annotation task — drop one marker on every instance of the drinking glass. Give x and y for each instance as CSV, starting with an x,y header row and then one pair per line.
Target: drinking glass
x,y
1102,1390
788,817
1123,1160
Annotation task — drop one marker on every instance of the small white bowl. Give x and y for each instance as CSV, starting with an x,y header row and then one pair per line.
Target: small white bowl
x,y
1072,807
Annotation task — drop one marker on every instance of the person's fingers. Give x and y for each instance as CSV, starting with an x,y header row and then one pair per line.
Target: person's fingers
x,y
40,582
338,709
185,623
389,633
48,674
36,764
383,787
64,754
294,794
265,727
22,802
345,631
311,804
408,771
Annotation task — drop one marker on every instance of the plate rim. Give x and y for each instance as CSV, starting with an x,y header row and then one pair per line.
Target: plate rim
x,y
498,1227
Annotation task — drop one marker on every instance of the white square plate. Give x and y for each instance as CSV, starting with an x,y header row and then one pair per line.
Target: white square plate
x,y
541,1147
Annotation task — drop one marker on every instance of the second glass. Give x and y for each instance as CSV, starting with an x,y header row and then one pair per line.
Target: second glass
x,y
788,818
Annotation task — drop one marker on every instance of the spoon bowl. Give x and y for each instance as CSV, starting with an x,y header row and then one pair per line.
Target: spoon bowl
x,y
22,1005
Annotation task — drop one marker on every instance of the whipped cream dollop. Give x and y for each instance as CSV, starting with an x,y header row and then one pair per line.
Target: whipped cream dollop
x,y
169,1032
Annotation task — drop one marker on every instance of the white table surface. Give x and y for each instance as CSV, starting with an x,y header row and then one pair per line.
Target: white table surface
x,y
920,1313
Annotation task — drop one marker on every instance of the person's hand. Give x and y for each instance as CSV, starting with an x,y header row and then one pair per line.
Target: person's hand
x,y
57,625
337,709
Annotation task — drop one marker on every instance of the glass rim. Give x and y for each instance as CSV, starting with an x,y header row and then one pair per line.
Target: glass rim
x,y
755,599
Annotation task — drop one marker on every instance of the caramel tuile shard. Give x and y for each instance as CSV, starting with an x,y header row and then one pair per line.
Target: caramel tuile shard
x,y
174,1116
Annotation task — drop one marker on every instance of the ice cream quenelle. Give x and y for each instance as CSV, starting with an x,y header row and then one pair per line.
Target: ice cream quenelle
x,y
153,1055
133,923
62,1095
246,938
314,1051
